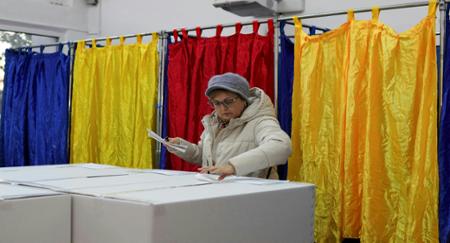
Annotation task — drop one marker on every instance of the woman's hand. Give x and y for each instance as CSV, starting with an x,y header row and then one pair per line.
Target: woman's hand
x,y
175,141
224,170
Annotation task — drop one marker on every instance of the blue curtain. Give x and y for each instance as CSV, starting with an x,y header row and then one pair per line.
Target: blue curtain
x,y
444,146
285,78
164,156
34,117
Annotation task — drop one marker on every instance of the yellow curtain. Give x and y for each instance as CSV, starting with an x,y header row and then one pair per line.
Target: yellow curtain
x,y
364,130
113,102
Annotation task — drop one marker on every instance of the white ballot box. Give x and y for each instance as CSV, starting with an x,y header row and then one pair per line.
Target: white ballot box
x,y
183,208
31,174
110,185
34,215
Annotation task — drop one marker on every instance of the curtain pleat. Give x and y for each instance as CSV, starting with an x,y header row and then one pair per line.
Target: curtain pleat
x,y
35,108
364,130
113,103
194,60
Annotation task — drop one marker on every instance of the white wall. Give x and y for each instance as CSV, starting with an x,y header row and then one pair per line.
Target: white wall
x,y
399,20
135,16
71,20
119,17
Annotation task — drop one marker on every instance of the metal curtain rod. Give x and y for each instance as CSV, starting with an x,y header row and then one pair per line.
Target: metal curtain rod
x,y
292,36
388,7
87,40
243,24
310,26
150,33
224,26
326,14
362,10
116,37
44,45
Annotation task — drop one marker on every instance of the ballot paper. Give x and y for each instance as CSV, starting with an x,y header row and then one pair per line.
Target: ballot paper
x,y
167,172
178,147
97,166
236,179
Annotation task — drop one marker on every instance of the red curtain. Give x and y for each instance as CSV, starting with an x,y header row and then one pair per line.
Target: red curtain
x,y
194,60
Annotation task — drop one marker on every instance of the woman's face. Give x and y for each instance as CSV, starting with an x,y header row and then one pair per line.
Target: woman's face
x,y
227,105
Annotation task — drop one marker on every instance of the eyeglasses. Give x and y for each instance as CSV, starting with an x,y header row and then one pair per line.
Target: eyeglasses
x,y
227,102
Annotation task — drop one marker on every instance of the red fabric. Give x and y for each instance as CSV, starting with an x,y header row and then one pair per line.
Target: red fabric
x,y
194,60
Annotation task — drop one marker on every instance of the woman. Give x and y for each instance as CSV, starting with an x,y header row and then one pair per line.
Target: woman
x,y
241,136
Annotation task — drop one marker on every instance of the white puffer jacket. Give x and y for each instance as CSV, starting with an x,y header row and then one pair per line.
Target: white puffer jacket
x,y
252,143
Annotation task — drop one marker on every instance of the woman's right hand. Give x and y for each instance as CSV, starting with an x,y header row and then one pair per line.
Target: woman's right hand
x,y
175,141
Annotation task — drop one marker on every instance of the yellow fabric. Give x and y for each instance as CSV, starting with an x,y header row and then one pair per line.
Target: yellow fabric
x,y
364,130
113,102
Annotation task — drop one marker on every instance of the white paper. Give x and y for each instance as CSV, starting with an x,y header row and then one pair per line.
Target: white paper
x,y
236,179
207,177
215,178
167,172
96,166
178,147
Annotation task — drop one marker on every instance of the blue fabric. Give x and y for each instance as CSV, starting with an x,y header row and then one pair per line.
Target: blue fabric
x,y
285,78
444,146
285,85
164,153
35,114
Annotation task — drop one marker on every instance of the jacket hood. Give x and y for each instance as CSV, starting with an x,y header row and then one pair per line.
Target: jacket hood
x,y
259,105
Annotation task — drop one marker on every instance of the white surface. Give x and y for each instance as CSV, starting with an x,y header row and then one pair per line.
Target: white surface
x,y
57,172
79,183
145,187
261,8
146,16
108,186
153,207
207,191
42,17
42,219
97,166
138,16
117,17
167,172
236,179
218,212
15,191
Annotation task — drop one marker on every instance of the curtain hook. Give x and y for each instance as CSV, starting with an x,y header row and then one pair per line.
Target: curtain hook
x,y
238,27
350,14
375,13
219,29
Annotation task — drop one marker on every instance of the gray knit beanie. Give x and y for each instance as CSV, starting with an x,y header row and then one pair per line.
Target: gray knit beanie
x,y
231,82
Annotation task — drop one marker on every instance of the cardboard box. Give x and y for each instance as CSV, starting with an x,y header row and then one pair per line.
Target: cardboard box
x,y
115,184
112,204
34,215
30,174
204,212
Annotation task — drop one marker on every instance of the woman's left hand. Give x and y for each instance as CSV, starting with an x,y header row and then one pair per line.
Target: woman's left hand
x,y
224,170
